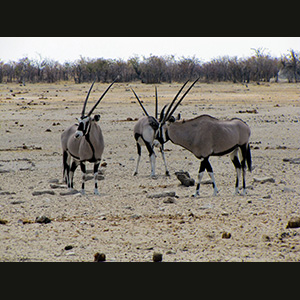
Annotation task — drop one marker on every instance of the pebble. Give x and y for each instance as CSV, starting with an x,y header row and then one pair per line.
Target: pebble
x,y
99,257
161,195
169,200
226,235
157,257
38,193
293,222
263,180
42,220
69,247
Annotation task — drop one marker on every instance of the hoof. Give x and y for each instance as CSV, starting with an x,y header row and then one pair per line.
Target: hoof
x,y
135,173
216,192
167,173
96,192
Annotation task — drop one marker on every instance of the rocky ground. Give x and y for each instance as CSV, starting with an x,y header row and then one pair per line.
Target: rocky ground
x,y
136,216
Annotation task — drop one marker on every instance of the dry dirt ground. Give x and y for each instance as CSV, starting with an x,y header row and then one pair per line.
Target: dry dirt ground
x,y
123,222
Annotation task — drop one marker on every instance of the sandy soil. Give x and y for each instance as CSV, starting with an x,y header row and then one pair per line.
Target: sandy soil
x,y
123,222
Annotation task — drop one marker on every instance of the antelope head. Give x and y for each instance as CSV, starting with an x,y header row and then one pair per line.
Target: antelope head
x,y
84,122
167,118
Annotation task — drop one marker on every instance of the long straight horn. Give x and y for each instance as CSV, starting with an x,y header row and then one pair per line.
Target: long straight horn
x,y
86,99
170,106
142,106
179,101
91,111
156,104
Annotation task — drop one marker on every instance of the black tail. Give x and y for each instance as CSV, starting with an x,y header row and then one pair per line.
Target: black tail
x,y
248,158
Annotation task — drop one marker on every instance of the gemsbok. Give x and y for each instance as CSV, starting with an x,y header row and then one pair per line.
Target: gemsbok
x,y
81,143
207,136
145,131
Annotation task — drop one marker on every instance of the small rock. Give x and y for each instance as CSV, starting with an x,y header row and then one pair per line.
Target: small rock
x,y
265,238
293,223
3,222
161,195
157,257
42,220
99,257
169,200
25,221
69,192
57,186
226,235
263,180
38,193
69,247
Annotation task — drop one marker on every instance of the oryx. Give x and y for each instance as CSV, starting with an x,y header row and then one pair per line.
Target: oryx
x,y
83,142
207,136
145,131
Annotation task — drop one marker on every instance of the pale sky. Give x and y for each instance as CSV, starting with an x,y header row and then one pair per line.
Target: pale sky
x,y
204,48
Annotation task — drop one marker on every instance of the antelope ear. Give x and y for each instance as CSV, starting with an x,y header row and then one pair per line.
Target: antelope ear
x,y
172,119
96,118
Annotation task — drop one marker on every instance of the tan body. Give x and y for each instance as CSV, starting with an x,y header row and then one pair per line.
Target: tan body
x,y
83,142
144,132
206,136
80,148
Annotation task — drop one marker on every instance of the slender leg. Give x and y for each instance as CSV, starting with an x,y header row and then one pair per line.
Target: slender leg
x,y
200,175
237,164
164,160
244,182
96,167
74,165
243,165
66,167
152,158
211,175
152,161
139,151
83,170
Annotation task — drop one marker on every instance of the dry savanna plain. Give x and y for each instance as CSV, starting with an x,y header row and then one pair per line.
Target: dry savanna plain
x,y
127,222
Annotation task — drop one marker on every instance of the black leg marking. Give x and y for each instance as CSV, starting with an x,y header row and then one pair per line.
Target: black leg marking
x,y
208,166
72,170
202,165
238,166
149,148
139,149
236,162
96,167
66,168
244,155
83,170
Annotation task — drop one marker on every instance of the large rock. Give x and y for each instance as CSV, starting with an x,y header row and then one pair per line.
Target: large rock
x,y
184,178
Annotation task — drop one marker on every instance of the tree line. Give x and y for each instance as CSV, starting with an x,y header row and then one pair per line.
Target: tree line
x,y
155,69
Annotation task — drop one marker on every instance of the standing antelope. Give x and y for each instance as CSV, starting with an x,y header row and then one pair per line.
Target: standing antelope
x,y
81,143
145,132
207,136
